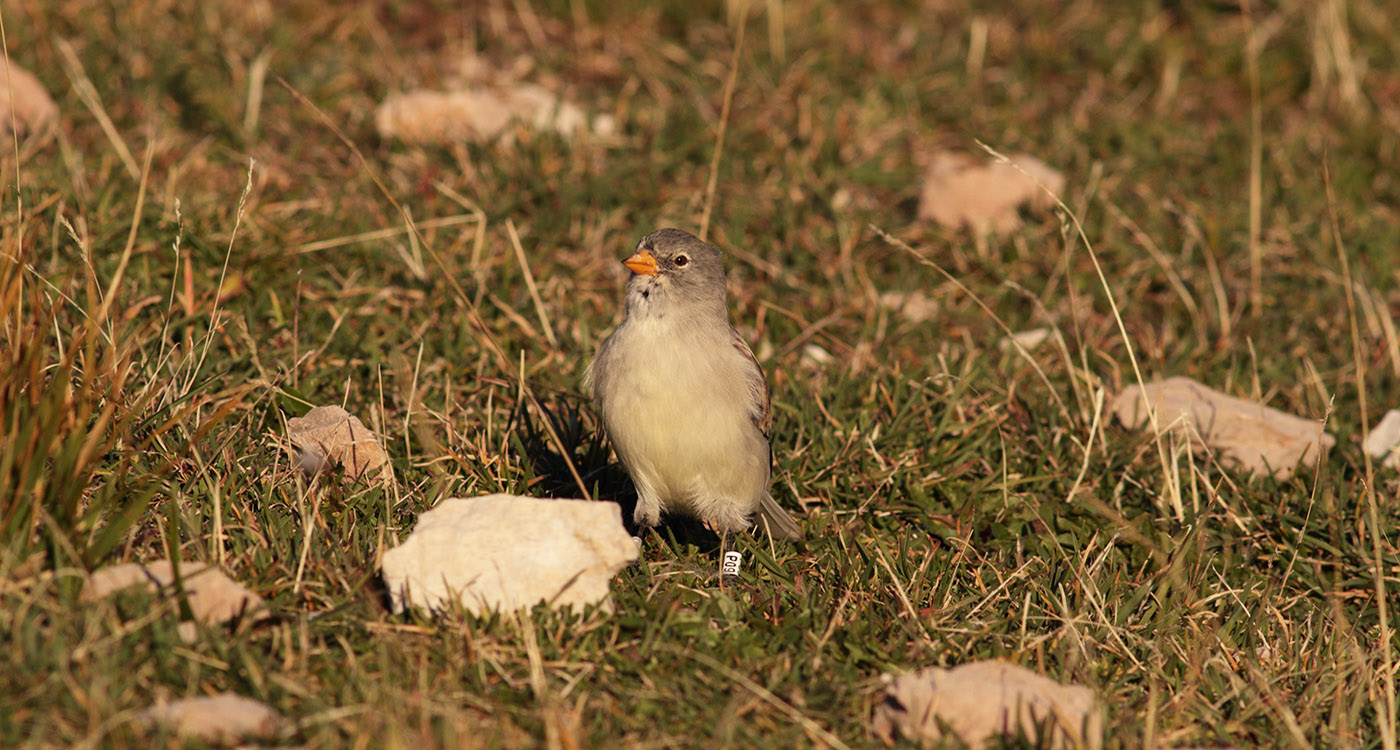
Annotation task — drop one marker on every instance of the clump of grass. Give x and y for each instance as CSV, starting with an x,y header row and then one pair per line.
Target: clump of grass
x,y
75,471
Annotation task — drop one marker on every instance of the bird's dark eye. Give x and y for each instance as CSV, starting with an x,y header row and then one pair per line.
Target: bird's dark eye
x,y
682,261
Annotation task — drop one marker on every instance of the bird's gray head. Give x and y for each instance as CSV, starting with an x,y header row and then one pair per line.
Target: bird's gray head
x,y
672,268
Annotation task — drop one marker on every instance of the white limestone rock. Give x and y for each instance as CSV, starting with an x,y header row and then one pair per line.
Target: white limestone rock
x,y
505,552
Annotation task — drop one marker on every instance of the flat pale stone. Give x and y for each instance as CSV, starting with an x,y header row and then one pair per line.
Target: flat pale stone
x,y
217,718
24,96
505,552
814,355
1259,438
1384,440
213,596
915,307
482,113
959,190
329,436
1029,340
985,700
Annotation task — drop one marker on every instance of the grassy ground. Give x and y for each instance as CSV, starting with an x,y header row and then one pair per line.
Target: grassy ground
x,y
175,289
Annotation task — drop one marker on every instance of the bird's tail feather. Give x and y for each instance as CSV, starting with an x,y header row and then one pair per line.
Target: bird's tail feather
x,y
779,524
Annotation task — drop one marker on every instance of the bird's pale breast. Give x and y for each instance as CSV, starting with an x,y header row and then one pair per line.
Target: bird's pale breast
x,y
681,422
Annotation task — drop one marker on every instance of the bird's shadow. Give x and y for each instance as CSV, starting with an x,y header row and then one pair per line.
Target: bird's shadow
x,y
583,441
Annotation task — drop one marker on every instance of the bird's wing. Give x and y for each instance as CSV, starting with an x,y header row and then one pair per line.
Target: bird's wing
x,y
771,515
759,400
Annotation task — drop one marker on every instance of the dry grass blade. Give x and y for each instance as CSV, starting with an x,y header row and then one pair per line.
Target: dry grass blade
x,y
1113,306
1252,44
1386,643
89,96
198,366
257,78
114,285
386,233
723,125
530,284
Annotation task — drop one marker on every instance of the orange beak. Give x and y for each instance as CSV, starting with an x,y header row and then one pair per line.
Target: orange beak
x,y
642,262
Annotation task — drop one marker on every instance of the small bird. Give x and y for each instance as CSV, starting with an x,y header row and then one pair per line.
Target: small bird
x,y
682,397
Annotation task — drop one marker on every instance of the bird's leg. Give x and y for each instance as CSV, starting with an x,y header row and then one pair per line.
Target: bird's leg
x,y
645,516
730,560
